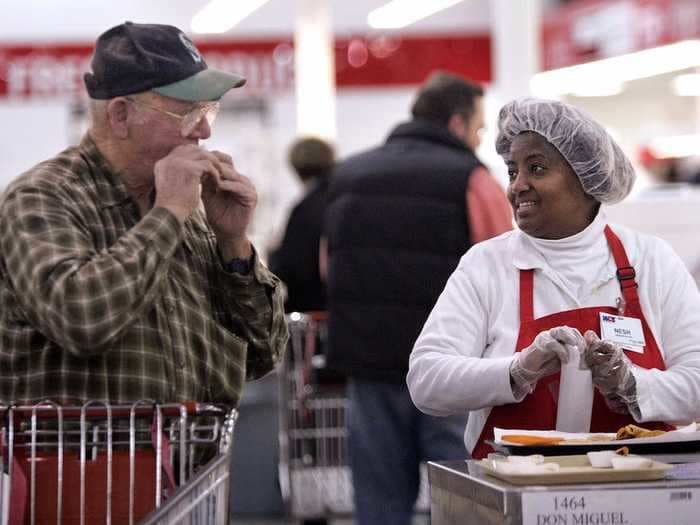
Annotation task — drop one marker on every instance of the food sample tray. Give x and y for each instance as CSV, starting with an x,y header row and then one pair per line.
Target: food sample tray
x,y
577,469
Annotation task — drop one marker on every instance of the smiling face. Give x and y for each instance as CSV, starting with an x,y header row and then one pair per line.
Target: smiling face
x,y
546,195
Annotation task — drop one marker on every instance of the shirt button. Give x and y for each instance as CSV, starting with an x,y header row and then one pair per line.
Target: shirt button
x,y
170,309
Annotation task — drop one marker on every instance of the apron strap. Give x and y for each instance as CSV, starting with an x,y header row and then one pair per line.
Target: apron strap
x,y
625,275
625,272
527,311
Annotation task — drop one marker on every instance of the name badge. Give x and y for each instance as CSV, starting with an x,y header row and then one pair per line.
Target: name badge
x,y
624,331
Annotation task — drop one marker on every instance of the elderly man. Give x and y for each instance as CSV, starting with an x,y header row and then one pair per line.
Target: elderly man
x,y
126,272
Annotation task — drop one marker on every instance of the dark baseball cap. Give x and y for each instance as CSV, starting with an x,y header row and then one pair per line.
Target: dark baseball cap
x,y
131,58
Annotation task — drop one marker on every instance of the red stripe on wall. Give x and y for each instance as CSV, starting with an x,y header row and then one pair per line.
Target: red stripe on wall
x,y
28,71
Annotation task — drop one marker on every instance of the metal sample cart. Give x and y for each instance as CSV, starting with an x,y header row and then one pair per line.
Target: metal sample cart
x,y
461,493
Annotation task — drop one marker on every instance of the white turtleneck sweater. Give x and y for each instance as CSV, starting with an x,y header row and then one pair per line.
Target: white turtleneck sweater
x,y
460,361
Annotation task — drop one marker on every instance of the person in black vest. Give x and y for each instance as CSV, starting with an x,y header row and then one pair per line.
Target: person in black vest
x,y
399,218
295,261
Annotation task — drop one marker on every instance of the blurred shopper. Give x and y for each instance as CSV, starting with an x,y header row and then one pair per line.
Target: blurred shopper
x,y
399,218
518,305
662,170
295,261
666,171
114,283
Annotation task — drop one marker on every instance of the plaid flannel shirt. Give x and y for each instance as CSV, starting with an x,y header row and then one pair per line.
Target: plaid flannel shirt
x,y
97,302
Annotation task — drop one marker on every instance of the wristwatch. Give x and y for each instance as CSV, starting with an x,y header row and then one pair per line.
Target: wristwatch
x,y
239,265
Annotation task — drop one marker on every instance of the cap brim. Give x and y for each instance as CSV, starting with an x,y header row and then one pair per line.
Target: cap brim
x,y
209,84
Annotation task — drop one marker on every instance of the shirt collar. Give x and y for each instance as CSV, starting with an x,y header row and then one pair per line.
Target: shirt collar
x,y
108,185
525,247
424,130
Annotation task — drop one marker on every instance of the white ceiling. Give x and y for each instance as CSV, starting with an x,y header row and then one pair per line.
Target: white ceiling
x,y
24,21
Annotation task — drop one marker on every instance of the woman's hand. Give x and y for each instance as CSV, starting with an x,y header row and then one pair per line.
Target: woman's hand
x,y
543,357
612,373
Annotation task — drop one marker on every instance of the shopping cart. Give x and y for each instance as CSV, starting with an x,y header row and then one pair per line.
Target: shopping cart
x,y
314,469
115,464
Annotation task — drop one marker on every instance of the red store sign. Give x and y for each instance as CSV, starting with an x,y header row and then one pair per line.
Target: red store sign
x,y
589,30
57,70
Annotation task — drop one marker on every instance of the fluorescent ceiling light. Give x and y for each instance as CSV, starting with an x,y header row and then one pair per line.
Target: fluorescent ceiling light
x,y
598,88
400,13
676,146
218,16
641,64
687,85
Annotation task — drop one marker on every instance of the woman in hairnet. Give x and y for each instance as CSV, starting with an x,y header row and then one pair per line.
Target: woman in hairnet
x,y
516,304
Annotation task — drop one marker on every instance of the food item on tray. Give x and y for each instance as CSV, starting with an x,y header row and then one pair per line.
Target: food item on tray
x,y
593,438
604,458
510,468
529,439
626,432
601,458
532,439
633,431
630,462
532,459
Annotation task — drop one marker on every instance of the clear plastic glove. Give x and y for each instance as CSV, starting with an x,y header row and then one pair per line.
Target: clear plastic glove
x,y
612,374
543,357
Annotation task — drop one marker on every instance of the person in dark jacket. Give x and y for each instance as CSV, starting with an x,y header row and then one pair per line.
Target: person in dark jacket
x,y
399,218
295,261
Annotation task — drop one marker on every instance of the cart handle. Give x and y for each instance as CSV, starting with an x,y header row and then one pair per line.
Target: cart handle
x,y
44,410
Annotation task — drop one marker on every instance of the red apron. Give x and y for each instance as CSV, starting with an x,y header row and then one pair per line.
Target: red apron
x,y
538,411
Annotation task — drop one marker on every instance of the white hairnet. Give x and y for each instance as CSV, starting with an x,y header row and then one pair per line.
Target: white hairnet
x,y
605,172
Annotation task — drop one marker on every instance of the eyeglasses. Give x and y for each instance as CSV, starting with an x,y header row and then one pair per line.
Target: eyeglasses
x,y
189,120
